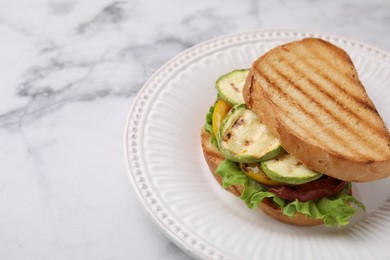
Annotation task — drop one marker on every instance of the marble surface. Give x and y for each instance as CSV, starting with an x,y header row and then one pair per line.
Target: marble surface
x,y
70,71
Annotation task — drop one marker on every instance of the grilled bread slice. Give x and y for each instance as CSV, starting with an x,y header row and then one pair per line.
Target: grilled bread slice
x,y
214,158
309,94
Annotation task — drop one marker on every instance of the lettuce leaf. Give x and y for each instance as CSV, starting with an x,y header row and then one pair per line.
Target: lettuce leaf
x,y
209,120
209,126
334,211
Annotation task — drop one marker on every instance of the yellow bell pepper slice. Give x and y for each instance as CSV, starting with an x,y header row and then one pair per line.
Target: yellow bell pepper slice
x,y
220,111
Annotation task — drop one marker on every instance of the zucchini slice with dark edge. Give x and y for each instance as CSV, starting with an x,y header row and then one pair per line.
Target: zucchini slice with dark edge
x,y
229,86
243,138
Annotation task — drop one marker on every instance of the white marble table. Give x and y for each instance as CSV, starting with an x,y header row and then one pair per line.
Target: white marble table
x,y
70,71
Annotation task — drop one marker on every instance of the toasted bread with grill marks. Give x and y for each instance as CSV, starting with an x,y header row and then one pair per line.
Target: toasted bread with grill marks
x,y
214,158
309,94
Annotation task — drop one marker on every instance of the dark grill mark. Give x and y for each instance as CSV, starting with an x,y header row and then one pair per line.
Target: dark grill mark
x,y
298,164
235,87
228,136
239,122
248,142
249,103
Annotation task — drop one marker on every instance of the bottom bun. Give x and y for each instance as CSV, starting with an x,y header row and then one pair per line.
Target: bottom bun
x,y
214,158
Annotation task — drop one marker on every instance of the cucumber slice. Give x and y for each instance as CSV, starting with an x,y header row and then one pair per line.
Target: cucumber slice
x,y
289,170
243,138
229,86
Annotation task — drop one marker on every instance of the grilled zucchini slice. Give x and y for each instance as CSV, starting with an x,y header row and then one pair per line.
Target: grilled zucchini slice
x,y
243,138
229,86
289,170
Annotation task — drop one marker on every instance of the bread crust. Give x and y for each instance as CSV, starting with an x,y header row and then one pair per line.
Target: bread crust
x,y
213,158
315,156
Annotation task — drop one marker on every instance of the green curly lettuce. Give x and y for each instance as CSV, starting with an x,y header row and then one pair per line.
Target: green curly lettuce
x,y
334,211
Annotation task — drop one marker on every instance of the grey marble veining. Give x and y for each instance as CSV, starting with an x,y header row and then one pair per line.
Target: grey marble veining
x,y
70,72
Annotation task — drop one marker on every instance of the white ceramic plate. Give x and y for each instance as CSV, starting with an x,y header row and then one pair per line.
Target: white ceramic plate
x,y
173,182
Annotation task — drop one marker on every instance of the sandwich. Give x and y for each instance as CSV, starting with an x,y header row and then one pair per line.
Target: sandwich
x,y
290,134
